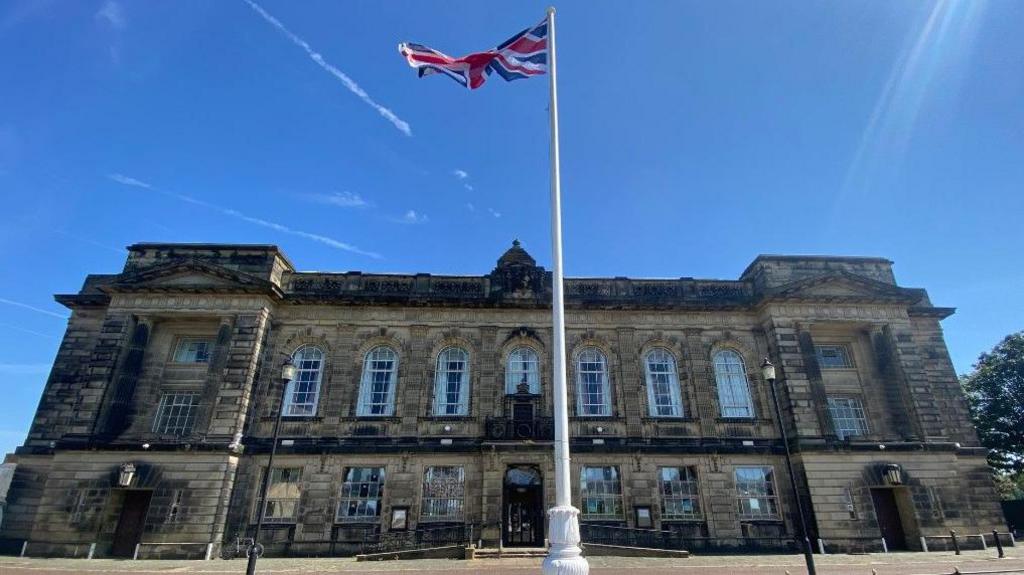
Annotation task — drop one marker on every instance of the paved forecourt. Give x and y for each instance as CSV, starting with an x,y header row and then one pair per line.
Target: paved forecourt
x,y
879,564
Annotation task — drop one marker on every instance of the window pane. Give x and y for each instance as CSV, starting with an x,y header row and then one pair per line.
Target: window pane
x,y
377,388
522,367
304,391
679,495
283,494
592,383
755,493
601,493
833,356
176,413
733,392
451,383
361,494
444,491
663,394
848,418
193,350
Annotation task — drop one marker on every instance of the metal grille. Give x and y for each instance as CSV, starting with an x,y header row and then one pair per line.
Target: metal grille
x,y
451,382
361,494
847,416
680,498
283,494
304,391
193,350
833,356
663,384
444,493
755,492
592,383
733,392
176,414
377,390
601,493
522,367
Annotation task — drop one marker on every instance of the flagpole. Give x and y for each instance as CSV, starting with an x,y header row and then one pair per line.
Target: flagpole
x,y
564,554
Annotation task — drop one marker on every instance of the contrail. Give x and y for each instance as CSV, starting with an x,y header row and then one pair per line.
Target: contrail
x,y
349,83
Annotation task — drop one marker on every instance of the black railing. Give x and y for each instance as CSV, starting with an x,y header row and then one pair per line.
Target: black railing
x,y
424,538
542,428
680,541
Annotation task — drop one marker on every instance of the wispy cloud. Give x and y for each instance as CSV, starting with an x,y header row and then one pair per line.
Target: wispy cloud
x,y
348,82
460,174
411,217
328,241
24,368
112,13
28,331
128,181
89,241
340,199
32,308
470,207
468,187
494,212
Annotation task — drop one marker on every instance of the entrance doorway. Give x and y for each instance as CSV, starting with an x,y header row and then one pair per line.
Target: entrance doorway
x,y
889,521
523,508
131,523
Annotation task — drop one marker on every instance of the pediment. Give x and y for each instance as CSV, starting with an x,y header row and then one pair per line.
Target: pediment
x,y
842,286
190,276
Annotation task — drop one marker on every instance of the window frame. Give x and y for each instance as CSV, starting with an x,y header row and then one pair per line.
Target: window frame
x,y
513,375
361,501
846,353
161,420
732,379
364,403
602,492
182,341
288,407
456,501
295,501
847,432
770,494
442,382
687,489
605,390
675,391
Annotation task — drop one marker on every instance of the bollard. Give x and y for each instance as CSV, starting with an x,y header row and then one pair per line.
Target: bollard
x,y
24,548
885,546
92,550
924,544
136,555
821,546
956,544
209,551
984,545
999,545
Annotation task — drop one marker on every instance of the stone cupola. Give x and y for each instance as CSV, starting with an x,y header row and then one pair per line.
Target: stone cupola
x,y
517,274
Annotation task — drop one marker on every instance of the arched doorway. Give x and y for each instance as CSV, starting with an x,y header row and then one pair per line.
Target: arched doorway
x,y
523,509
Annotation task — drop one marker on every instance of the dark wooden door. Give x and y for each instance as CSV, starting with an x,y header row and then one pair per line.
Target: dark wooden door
x,y
888,515
523,517
131,523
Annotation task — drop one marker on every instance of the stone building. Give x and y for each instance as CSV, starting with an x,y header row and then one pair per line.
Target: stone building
x,y
424,401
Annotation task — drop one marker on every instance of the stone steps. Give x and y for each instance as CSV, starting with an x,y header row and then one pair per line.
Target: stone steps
x,y
510,552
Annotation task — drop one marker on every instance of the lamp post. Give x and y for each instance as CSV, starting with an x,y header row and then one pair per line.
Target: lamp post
x,y
255,549
768,372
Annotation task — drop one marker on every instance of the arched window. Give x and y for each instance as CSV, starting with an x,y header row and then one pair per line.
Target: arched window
x,y
451,382
733,391
303,392
663,395
522,367
592,387
377,386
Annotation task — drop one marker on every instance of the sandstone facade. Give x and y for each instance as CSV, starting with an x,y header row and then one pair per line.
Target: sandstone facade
x,y
425,401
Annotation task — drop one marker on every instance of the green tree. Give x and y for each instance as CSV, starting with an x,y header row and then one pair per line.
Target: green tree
x,y
995,394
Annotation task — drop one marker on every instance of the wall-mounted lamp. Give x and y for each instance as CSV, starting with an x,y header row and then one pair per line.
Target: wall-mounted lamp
x,y
126,475
892,474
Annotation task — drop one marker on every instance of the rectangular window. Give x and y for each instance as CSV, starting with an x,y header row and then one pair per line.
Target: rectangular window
x,y
833,356
755,492
679,495
847,417
283,494
361,494
174,510
444,493
601,493
193,350
176,414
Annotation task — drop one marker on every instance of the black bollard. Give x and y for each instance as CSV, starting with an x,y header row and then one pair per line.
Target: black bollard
x,y
956,544
999,544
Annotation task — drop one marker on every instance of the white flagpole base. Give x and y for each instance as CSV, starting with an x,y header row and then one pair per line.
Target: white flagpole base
x,y
564,554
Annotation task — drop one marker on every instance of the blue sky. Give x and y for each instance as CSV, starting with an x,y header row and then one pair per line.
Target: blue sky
x,y
695,135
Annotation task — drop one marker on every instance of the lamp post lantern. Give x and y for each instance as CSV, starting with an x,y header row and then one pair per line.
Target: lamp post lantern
x,y
255,549
768,372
